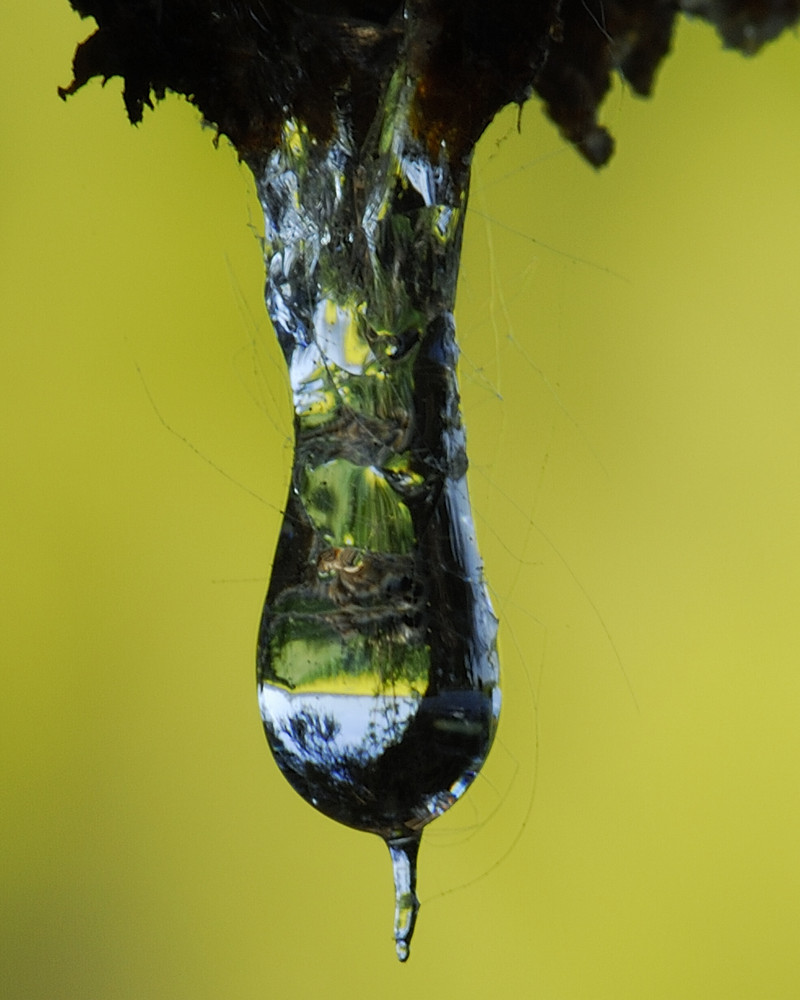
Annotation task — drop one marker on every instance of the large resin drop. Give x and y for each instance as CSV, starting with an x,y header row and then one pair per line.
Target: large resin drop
x,y
377,664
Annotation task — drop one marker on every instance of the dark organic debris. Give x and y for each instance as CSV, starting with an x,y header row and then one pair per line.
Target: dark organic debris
x,y
246,64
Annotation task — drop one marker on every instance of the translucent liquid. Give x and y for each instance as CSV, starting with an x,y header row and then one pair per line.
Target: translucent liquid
x,y
377,664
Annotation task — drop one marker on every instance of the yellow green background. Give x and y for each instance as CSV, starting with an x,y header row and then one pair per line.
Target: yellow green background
x,y
631,383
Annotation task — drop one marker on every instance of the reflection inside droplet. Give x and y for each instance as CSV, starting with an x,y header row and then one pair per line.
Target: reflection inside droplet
x,y
377,661
387,764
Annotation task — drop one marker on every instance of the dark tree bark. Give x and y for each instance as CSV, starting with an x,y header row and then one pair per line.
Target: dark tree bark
x,y
246,64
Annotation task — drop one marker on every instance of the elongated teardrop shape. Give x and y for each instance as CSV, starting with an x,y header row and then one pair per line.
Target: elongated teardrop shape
x,y
377,664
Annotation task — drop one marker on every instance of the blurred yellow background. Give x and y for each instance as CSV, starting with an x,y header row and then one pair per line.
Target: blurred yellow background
x,y
631,383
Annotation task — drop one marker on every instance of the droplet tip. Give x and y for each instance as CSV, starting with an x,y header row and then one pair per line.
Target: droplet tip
x,y
404,869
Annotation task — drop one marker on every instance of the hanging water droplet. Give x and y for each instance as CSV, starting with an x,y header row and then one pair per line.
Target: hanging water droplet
x,y
377,664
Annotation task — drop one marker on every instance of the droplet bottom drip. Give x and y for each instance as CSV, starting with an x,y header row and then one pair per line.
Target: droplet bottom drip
x,y
377,665
403,851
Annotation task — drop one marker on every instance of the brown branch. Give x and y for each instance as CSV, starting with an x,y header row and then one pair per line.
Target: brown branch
x,y
244,64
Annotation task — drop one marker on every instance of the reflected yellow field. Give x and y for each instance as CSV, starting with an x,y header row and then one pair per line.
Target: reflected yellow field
x,y
631,382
